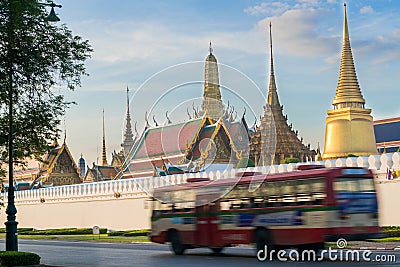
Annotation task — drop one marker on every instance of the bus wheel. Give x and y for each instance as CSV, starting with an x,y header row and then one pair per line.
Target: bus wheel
x,y
262,239
177,247
217,250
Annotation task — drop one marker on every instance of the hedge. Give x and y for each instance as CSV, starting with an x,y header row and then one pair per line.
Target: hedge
x,y
391,231
20,230
66,231
244,163
15,258
144,232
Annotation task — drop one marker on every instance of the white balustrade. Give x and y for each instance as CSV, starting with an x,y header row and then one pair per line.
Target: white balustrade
x,y
273,169
330,163
291,167
340,162
282,168
374,162
386,162
396,161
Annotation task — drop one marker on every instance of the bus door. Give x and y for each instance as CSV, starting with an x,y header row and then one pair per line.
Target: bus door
x,y
207,224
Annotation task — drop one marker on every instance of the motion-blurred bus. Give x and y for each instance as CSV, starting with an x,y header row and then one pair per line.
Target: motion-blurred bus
x,y
300,209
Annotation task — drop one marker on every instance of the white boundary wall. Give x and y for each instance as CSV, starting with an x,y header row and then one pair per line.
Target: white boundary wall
x,y
87,205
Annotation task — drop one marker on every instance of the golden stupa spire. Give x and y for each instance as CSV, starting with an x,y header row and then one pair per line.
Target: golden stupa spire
x,y
348,93
272,92
349,126
103,154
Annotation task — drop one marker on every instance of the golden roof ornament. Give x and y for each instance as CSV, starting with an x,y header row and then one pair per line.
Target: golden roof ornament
x,y
348,93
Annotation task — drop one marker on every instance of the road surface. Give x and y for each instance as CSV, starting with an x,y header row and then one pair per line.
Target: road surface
x,y
70,253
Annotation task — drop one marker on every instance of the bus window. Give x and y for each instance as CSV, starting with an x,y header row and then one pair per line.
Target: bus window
x,y
183,201
288,192
367,185
318,190
304,192
159,207
225,204
274,196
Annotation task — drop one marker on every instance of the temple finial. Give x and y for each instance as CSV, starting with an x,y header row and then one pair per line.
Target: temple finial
x,y
127,99
211,50
273,99
128,135
104,154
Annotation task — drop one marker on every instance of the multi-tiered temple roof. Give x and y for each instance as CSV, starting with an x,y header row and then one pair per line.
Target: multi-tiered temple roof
x,y
273,147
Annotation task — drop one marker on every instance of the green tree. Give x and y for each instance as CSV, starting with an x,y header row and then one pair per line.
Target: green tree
x,y
244,163
35,56
291,160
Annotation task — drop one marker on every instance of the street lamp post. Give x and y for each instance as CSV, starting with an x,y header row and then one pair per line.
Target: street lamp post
x,y
11,223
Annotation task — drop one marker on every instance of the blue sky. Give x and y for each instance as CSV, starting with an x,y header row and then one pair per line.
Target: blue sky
x,y
134,40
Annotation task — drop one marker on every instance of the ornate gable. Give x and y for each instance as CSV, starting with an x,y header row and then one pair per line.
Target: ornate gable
x,y
59,167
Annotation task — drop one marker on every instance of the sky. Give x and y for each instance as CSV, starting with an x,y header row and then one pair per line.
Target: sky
x,y
158,48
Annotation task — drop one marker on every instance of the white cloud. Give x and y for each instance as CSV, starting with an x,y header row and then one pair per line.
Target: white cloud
x,y
296,33
268,8
366,10
331,1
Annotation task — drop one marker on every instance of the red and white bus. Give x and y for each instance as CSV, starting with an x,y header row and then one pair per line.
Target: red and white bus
x,y
301,209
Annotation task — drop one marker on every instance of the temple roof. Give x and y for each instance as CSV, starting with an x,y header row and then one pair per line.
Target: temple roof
x,y
100,173
348,90
179,135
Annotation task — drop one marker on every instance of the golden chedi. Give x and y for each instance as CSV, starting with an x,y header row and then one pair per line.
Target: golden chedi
x,y
349,126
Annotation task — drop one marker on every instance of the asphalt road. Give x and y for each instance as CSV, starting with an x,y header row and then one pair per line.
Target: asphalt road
x,y
69,253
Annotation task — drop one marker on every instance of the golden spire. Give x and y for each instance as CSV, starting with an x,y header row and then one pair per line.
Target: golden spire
x,y
348,93
272,92
104,155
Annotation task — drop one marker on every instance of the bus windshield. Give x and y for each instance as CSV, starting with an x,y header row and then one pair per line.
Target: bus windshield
x,y
345,184
355,195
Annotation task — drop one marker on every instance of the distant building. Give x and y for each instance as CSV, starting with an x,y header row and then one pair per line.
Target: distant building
x,y
56,168
387,134
100,173
82,167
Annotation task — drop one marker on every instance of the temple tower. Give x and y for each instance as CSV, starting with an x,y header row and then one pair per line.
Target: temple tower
x,y
212,105
82,167
128,136
274,140
103,154
349,126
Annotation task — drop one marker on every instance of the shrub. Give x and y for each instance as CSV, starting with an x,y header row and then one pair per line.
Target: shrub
x,y
66,231
391,231
143,232
351,156
244,163
20,230
291,160
15,258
